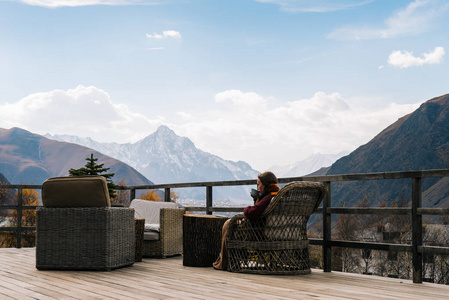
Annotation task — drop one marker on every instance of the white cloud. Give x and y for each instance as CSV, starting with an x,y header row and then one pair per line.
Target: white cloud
x,y
74,3
259,130
165,34
247,126
405,59
238,98
416,18
317,6
83,111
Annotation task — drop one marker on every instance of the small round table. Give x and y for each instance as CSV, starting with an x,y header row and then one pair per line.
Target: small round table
x,y
201,239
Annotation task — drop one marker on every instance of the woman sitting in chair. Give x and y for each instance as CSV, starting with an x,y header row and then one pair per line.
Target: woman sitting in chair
x,y
268,188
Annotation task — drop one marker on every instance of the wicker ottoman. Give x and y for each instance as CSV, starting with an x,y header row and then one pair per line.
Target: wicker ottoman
x,y
201,239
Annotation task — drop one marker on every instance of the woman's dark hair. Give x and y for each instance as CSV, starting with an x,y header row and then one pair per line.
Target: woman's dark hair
x,y
267,178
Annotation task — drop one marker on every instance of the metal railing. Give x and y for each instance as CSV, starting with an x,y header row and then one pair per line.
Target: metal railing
x,y
416,211
19,208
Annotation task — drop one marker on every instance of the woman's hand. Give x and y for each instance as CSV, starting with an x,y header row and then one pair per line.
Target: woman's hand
x,y
254,194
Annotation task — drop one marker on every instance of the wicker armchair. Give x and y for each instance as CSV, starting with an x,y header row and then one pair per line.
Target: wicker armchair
x,y
78,230
277,242
163,227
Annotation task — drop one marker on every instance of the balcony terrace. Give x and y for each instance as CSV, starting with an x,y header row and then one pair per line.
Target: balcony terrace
x,y
169,279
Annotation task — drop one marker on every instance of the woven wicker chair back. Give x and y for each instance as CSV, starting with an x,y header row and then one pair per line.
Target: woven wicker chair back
x,y
277,242
287,216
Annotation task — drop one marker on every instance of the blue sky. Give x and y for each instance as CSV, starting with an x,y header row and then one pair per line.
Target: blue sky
x,y
269,82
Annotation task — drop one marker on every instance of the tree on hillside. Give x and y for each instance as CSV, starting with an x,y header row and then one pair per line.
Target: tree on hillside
x,y
435,266
92,168
3,197
381,257
366,233
398,231
315,251
346,258
122,196
150,196
174,196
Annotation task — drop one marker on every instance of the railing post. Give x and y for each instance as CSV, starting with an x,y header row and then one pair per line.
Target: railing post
x,y
19,217
209,200
416,229
167,195
327,249
132,194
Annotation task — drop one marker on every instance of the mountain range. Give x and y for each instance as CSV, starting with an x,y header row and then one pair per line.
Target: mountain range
x,y
165,157
28,158
418,141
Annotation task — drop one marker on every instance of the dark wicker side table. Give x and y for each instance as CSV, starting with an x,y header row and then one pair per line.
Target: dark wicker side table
x,y
140,228
201,239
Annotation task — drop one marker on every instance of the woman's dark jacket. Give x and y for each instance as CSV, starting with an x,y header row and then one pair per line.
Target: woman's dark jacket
x,y
252,213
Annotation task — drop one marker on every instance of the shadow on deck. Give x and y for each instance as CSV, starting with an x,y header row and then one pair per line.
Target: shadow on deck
x,y
169,279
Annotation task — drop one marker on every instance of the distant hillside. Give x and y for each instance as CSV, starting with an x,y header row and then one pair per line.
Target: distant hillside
x,y
418,141
3,179
168,158
313,163
30,159
6,195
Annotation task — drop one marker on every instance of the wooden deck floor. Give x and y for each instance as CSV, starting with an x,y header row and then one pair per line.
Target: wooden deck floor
x,y
169,279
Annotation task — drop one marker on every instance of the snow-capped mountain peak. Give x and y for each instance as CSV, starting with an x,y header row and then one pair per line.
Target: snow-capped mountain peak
x,y
168,158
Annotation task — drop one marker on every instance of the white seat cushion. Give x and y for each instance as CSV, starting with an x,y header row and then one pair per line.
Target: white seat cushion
x,y
152,227
150,211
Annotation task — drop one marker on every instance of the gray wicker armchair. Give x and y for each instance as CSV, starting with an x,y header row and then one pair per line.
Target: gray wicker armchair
x,y
163,227
277,242
78,230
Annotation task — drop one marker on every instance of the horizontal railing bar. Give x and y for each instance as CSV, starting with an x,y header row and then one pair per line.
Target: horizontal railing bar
x,y
344,210
370,210
333,210
330,178
433,211
382,246
17,206
433,250
196,208
15,228
363,245
227,209
217,209
23,186
316,241
195,184
373,246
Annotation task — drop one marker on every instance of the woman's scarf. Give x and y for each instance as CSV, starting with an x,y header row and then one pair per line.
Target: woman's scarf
x,y
271,189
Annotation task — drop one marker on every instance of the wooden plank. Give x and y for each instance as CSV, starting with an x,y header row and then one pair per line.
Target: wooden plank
x,y
169,279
